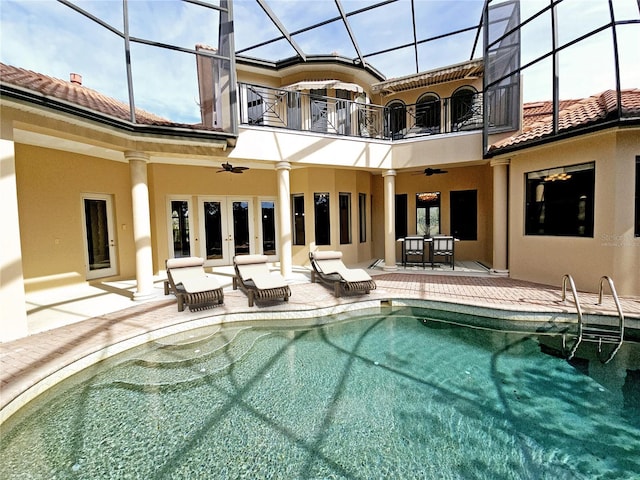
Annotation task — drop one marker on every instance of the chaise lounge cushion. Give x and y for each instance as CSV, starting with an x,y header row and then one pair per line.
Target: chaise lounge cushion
x,y
252,274
251,267
331,263
191,284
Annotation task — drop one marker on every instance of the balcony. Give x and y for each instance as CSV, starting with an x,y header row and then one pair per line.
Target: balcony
x,y
293,110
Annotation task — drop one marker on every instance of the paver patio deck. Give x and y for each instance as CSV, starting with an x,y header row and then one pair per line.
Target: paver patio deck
x,y
30,360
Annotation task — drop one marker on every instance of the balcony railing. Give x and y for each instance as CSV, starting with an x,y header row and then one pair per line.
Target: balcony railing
x,y
295,110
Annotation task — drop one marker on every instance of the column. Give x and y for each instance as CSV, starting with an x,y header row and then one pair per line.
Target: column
x,y
284,217
500,216
389,220
141,224
13,314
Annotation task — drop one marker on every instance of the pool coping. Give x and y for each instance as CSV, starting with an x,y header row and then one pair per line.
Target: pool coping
x,y
550,316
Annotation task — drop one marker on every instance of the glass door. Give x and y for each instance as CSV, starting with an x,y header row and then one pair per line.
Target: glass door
x,y
179,228
100,248
268,237
226,229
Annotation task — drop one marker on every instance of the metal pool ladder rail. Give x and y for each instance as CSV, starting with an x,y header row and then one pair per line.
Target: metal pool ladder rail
x,y
593,333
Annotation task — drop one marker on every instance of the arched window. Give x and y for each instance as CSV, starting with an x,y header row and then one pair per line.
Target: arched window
x,y
465,109
396,119
428,113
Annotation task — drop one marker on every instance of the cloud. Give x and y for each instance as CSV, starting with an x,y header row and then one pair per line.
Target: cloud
x,y
51,38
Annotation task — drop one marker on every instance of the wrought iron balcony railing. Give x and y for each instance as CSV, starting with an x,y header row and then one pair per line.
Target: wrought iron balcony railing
x,y
295,110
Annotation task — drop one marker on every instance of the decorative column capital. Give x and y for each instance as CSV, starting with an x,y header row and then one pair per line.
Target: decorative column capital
x,y
389,173
500,161
283,166
136,155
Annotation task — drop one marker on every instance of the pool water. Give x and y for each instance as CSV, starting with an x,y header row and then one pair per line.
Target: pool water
x,y
386,395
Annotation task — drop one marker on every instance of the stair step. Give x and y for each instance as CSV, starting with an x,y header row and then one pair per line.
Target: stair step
x,y
176,353
601,338
141,374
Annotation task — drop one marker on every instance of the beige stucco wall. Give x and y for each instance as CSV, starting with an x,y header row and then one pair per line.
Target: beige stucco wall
x,y
276,145
443,90
308,181
462,178
613,250
191,183
50,186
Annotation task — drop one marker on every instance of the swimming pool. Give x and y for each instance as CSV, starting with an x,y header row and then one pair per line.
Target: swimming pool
x,y
389,394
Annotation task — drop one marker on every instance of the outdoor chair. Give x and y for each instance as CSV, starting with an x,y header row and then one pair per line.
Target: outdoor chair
x,y
328,266
253,276
413,248
443,246
191,285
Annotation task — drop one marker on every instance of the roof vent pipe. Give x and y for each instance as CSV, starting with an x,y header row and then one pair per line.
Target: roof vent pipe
x,y
75,78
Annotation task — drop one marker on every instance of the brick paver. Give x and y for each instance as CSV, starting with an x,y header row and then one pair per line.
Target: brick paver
x,y
27,361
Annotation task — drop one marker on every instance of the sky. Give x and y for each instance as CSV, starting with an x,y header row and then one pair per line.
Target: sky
x,y
49,37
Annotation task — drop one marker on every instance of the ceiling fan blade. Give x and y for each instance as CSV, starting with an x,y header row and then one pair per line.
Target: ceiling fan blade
x,y
433,171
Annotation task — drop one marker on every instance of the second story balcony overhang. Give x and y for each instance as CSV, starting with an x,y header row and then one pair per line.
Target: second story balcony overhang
x,y
308,112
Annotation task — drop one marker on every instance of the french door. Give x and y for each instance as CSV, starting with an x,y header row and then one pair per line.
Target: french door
x,y
226,229
99,241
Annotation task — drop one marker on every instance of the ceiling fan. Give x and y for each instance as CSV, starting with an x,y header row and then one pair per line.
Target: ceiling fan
x,y
431,171
227,167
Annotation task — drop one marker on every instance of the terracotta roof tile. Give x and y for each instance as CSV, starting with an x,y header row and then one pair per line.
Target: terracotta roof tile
x,y
81,96
537,119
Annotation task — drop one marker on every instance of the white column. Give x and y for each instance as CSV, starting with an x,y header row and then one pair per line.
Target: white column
x,y
389,220
284,217
500,216
13,313
141,223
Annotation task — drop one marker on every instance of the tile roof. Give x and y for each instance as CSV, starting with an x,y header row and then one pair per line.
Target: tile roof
x,y
461,71
82,96
537,121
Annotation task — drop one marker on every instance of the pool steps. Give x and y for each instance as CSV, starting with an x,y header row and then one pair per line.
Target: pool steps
x,y
190,366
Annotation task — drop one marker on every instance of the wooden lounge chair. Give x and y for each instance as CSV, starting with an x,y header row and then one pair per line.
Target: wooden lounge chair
x,y
192,286
329,267
254,277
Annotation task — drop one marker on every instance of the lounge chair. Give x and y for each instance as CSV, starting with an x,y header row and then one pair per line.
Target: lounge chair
x,y
192,286
329,267
253,276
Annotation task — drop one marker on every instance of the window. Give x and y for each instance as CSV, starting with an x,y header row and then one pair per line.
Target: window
x,y
396,119
268,214
428,213
180,228
344,203
560,201
464,115
464,214
343,116
428,113
318,110
362,216
298,220
637,228
401,215
255,107
294,113
322,219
